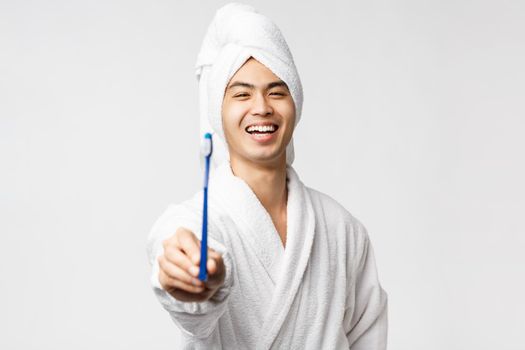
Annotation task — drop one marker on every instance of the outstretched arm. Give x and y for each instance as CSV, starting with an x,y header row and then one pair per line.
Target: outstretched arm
x,y
194,307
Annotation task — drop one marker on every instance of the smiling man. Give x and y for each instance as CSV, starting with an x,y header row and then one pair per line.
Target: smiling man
x,y
258,120
289,267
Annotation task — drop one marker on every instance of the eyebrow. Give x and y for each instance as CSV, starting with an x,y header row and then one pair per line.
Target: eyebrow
x,y
251,86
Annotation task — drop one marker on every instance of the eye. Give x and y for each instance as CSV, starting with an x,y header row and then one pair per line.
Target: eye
x,y
241,95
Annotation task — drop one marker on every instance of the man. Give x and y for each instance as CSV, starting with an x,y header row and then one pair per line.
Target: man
x,y
288,266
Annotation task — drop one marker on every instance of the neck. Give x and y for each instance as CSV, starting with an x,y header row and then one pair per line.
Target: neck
x,y
268,182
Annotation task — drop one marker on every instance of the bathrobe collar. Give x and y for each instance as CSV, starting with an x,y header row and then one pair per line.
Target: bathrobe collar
x,y
255,223
285,267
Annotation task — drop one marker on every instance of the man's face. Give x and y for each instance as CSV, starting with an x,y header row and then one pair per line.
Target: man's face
x,y
258,114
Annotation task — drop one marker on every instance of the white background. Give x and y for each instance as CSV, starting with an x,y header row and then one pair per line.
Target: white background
x,y
413,119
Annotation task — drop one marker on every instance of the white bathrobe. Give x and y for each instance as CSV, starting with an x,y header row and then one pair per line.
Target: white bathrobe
x,y
320,292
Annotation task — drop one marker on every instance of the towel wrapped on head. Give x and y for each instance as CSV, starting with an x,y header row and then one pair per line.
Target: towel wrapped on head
x,y
236,33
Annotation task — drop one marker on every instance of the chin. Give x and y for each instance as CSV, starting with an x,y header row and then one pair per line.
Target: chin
x,y
264,157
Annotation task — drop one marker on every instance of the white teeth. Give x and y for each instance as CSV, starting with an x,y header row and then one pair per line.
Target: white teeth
x,y
259,128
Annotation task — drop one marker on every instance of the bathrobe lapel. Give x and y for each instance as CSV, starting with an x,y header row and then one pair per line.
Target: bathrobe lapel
x,y
256,225
285,267
300,236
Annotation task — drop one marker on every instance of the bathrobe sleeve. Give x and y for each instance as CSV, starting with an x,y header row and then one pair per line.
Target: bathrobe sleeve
x,y
194,319
366,319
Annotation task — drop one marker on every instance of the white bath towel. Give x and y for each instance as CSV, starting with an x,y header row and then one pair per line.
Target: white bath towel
x,y
320,292
236,33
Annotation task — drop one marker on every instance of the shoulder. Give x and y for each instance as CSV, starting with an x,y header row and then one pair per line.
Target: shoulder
x,y
326,201
340,219
333,208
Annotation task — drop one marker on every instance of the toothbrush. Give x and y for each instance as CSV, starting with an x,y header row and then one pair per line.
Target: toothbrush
x,y
206,150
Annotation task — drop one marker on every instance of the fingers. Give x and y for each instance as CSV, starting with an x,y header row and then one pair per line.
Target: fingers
x,y
169,283
191,246
188,243
176,272
214,263
216,273
173,278
182,259
177,257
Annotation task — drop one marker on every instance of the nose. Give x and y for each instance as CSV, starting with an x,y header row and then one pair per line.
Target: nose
x,y
261,106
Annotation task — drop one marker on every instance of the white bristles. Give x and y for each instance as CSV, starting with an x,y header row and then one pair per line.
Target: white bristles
x,y
206,147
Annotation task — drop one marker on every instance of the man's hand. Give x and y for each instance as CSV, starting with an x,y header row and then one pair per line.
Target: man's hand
x,y
179,268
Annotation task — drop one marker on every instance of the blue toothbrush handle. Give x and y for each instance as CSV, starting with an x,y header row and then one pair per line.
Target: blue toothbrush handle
x,y
204,241
203,275
203,271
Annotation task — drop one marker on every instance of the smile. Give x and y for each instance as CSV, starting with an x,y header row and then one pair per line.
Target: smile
x,y
262,133
266,128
